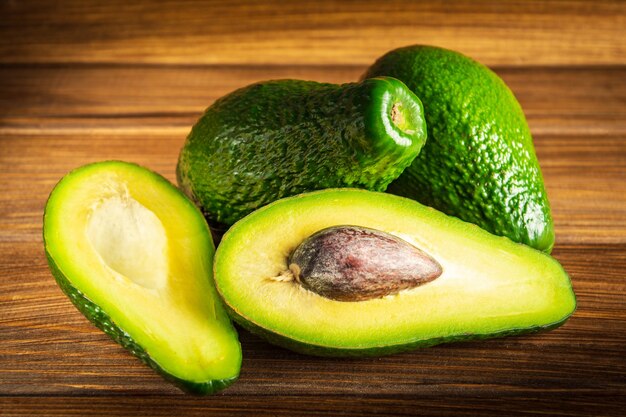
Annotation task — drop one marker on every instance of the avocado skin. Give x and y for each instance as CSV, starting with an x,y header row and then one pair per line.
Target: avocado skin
x,y
326,351
102,321
479,163
279,138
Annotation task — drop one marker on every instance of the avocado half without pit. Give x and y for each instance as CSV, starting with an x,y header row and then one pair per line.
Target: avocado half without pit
x,y
347,272
134,255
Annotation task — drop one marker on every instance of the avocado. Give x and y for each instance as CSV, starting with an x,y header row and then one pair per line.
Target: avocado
x,y
479,163
279,138
352,263
134,255
317,273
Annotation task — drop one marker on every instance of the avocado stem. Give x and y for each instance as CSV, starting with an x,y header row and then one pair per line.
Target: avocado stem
x,y
396,115
398,118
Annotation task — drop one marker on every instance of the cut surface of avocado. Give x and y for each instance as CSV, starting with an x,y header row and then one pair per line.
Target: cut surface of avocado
x,y
489,286
135,256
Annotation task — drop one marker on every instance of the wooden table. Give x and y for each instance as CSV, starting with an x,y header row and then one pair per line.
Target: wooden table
x,y
83,82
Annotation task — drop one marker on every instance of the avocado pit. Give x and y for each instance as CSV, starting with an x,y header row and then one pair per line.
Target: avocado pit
x,y
352,263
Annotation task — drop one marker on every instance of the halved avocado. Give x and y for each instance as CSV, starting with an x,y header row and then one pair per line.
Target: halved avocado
x,y
134,255
487,286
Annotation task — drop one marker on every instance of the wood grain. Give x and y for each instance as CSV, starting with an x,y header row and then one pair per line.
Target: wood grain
x,y
550,404
321,32
73,116
165,99
585,176
63,354
82,81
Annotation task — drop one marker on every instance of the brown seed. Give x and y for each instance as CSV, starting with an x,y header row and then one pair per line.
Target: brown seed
x,y
352,263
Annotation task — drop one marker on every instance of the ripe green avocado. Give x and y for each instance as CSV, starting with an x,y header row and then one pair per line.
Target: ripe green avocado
x,y
287,273
134,255
479,163
279,138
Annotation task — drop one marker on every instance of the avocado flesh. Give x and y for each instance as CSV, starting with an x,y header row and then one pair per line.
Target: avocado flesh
x,y
134,255
490,286
279,138
479,163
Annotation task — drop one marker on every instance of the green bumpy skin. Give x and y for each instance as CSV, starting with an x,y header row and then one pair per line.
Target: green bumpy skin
x,y
479,163
280,138
103,322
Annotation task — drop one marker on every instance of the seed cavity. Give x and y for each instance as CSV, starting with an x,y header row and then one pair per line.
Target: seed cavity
x,y
353,263
129,239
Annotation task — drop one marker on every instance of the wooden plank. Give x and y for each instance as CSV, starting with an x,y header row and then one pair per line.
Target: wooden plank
x,y
82,81
586,180
539,403
572,32
95,98
585,175
48,348
142,114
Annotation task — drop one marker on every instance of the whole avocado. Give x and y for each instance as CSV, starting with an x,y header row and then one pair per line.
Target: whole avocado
x,y
280,138
479,163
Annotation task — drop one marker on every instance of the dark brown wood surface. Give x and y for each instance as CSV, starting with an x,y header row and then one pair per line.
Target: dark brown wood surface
x,y
84,81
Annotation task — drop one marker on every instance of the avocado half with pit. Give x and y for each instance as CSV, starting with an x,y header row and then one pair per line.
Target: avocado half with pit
x,y
346,272
134,255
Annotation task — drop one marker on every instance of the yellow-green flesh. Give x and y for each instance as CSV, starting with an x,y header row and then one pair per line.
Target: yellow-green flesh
x,y
134,246
489,284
